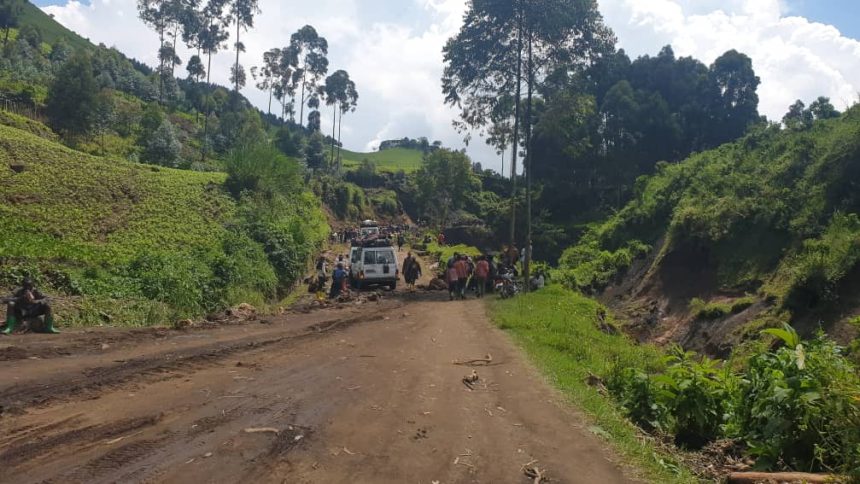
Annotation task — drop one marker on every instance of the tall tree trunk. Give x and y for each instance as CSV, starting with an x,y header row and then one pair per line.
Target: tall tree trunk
x,y
236,72
513,231
6,38
302,109
173,60
197,81
160,62
270,100
339,126
208,107
333,126
530,79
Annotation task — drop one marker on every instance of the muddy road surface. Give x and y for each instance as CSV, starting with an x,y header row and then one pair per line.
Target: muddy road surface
x,y
360,394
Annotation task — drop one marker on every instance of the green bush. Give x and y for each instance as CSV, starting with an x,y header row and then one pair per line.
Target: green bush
x,y
799,406
588,268
261,169
813,275
795,407
687,400
183,282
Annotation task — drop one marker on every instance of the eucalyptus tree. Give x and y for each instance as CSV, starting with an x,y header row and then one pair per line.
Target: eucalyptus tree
x,y
311,62
287,79
193,23
210,36
348,102
242,13
211,33
267,74
165,17
314,116
504,43
155,14
340,93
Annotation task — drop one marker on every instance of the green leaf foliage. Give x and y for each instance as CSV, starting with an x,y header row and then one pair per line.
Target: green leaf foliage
x,y
137,244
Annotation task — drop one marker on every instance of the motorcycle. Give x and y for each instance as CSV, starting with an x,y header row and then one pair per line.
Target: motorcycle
x,y
506,286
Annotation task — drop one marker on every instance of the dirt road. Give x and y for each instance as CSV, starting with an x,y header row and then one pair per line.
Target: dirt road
x,y
365,394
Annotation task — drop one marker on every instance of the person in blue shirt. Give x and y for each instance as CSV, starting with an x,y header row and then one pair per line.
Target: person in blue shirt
x,y
337,278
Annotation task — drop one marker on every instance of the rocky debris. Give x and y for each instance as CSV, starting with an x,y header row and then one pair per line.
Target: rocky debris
x,y
437,285
471,380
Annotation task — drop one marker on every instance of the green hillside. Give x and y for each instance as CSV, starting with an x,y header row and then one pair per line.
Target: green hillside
x,y
772,217
135,244
391,160
50,29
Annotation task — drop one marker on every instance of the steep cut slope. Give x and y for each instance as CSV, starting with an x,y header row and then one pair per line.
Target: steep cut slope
x,y
732,240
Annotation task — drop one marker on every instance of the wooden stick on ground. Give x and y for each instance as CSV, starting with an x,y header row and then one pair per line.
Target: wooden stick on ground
x,y
780,477
486,361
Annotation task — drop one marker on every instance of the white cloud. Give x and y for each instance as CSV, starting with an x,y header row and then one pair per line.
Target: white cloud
x,y
392,49
794,57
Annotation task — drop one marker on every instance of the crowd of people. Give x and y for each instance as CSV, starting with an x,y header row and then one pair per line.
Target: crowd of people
x,y
396,232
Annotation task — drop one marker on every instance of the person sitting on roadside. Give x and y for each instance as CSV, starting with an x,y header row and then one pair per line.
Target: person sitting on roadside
x,y
28,302
538,281
337,281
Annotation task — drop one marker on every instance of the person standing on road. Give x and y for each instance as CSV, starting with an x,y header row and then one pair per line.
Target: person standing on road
x,y
322,276
337,281
462,268
482,272
453,279
451,260
400,242
411,271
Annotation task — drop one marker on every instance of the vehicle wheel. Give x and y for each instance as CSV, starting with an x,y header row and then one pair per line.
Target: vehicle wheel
x,y
392,286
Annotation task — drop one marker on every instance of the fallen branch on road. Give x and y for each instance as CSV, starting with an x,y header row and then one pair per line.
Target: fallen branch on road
x,y
535,473
485,360
261,430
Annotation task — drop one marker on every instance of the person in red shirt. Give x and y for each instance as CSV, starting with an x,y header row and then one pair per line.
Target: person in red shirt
x,y
482,272
452,278
463,273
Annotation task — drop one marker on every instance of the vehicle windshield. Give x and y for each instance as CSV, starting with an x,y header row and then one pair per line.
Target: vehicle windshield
x,y
379,257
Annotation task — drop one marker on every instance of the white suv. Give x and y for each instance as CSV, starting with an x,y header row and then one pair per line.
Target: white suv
x,y
374,266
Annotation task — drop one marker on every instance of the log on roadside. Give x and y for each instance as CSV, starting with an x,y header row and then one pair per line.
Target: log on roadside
x,y
781,477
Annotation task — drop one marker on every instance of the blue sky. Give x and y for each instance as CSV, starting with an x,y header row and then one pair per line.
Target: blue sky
x,y
842,14
392,49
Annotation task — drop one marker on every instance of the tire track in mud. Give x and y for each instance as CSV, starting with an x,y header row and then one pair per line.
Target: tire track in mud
x,y
90,382
28,446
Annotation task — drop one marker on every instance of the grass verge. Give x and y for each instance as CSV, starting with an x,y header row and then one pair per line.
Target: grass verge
x,y
558,329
